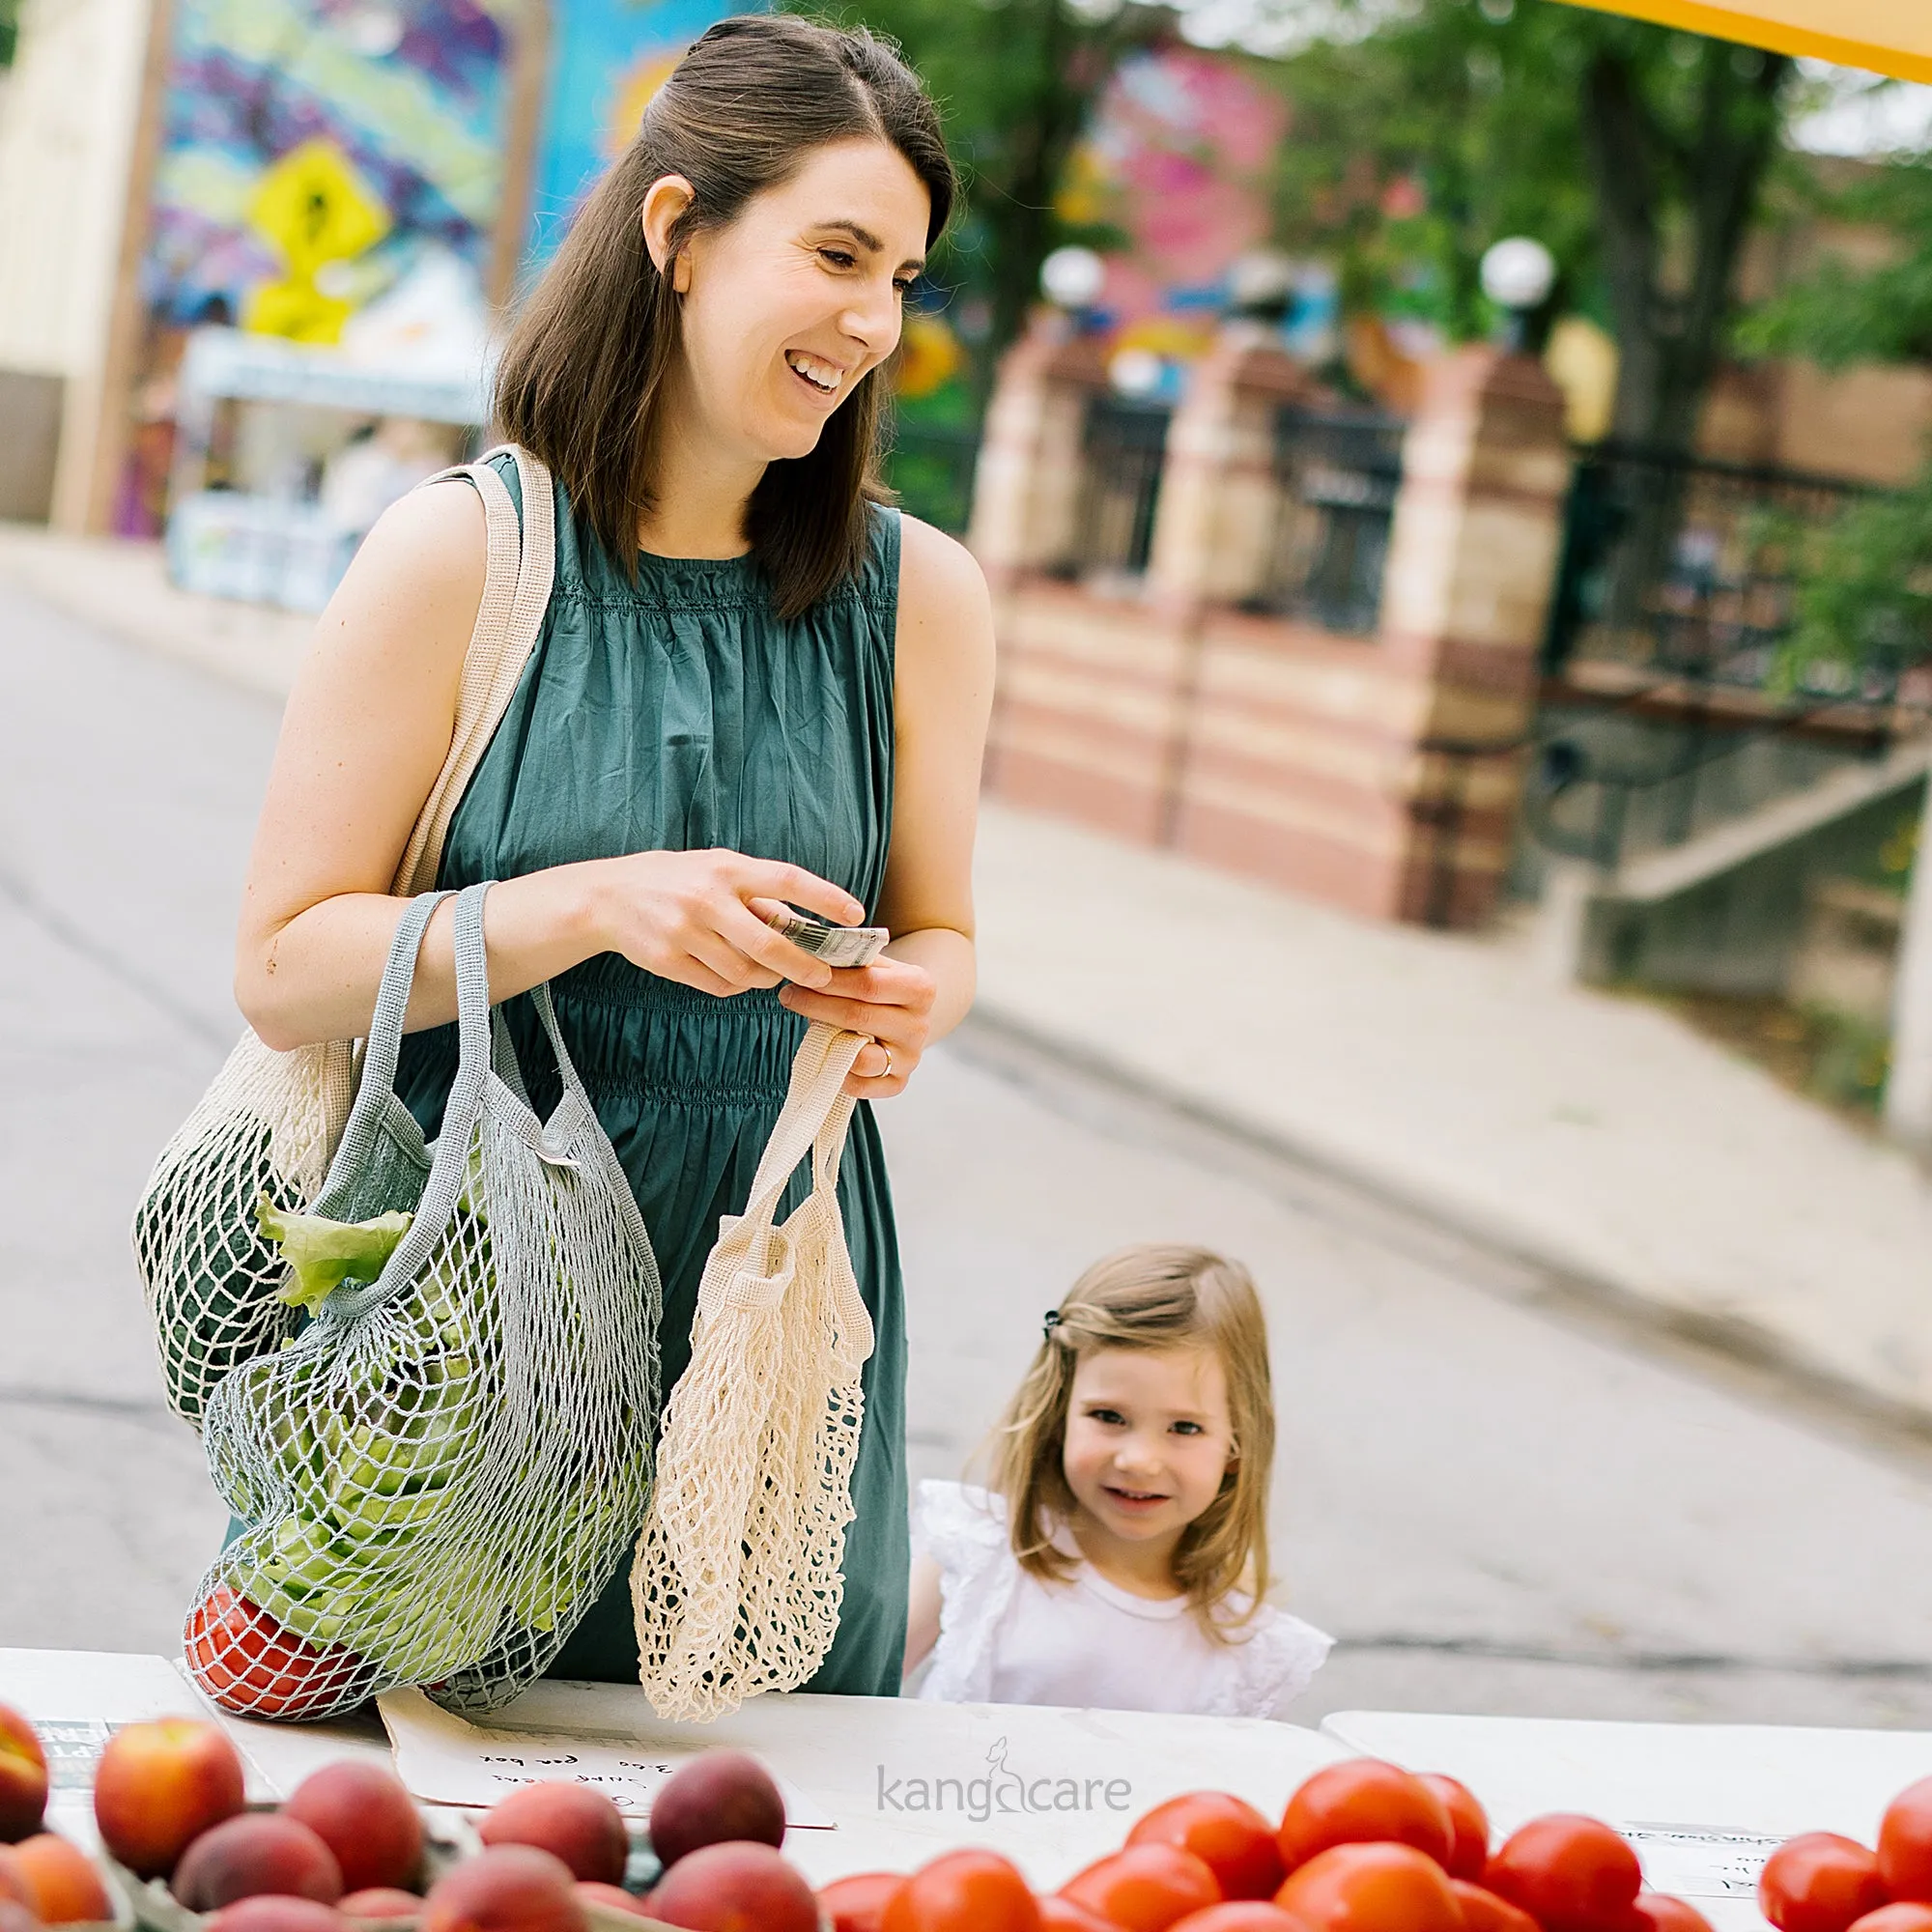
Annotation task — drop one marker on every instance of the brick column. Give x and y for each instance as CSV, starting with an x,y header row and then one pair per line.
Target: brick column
x,y
1465,597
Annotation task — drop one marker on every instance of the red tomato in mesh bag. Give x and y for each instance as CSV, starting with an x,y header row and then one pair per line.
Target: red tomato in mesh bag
x,y
250,1663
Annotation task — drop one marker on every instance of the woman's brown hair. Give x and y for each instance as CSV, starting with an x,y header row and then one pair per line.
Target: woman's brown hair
x,y
1151,1298
582,373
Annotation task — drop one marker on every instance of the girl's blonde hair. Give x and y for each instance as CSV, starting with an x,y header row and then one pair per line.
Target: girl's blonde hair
x,y
1149,1296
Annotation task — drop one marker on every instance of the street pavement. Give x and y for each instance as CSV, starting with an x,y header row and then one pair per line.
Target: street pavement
x,y
1498,1501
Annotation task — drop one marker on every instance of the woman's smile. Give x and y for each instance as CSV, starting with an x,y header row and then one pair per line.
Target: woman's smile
x,y
822,377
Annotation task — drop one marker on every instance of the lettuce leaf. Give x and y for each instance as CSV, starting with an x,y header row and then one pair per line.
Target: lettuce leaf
x,y
324,1254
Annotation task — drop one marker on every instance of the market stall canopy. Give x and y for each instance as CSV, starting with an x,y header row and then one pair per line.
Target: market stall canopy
x,y
1886,36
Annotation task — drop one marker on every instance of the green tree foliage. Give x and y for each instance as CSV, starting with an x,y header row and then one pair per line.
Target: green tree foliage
x,y
1635,154
1015,80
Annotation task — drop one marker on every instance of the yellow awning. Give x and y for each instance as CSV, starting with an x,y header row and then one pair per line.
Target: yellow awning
x,y
1887,36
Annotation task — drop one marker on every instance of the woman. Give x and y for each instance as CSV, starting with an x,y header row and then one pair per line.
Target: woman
x,y
753,686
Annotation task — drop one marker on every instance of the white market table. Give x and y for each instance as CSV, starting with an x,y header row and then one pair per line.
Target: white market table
x,y
867,1761
1670,1785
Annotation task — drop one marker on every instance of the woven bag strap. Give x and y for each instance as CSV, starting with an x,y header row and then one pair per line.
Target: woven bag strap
x,y
520,567
813,1121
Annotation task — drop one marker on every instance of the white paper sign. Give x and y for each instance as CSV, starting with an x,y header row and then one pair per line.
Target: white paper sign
x,y
1701,1860
447,1760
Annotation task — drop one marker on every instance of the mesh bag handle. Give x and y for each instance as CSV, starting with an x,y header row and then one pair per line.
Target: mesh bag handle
x,y
737,1579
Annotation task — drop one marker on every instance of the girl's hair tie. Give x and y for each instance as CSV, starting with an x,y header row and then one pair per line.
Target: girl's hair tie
x,y
1052,1322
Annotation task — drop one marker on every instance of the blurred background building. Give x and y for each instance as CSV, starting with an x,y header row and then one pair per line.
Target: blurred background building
x,y
1594,590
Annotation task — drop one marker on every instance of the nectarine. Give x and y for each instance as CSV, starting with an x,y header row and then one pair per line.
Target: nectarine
x,y
23,1778
740,1886
160,1785
63,1886
576,1824
382,1901
366,1817
718,1797
276,1911
259,1852
505,1889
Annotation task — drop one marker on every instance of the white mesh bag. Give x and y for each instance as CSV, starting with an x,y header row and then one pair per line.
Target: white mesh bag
x,y
442,1470
738,1575
269,1122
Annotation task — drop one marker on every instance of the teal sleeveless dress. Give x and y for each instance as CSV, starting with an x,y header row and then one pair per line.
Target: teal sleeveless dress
x,y
677,712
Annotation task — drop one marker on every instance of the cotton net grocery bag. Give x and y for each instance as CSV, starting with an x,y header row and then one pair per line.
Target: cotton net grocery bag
x,y
738,1576
270,1122
443,1469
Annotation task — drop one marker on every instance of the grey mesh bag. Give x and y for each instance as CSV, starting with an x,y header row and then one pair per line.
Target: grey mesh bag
x,y
270,1122
442,1470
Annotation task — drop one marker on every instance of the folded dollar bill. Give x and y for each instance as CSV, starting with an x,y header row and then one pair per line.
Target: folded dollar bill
x,y
836,945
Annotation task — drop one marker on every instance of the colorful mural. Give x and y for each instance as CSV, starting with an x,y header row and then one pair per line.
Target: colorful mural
x,y
607,58
312,150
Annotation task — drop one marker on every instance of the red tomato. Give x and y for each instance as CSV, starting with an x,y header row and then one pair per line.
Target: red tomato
x,y
1235,1841
248,1663
1819,1881
1144,1888
1062,1915
1484,1912
1570,1874
1907,1916
1905,1844
1660,1912
1241,1915
858,1903
1371,1888
1363,1801
1468,1825
963,1891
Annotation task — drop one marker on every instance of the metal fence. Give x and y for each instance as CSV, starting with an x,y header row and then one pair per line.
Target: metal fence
x,y
1339,472
1121,448
932,469
1686,567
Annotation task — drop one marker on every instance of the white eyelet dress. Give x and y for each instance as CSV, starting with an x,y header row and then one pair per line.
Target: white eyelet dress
x,y
1006,1637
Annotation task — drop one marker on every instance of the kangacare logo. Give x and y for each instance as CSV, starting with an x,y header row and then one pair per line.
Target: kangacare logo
x,y
1004,1790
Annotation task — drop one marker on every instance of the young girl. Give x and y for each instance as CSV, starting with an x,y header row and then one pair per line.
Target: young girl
x,y
1121,1559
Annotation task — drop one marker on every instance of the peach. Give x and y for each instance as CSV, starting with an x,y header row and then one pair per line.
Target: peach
x,y
276,1911
62,1883
160,1785
577,1824
259,1852
506,1889
23,1778
612,1898
739,1886
718,1797
366,1817
382,1901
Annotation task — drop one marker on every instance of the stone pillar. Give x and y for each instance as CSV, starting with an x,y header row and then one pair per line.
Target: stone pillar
x,y
1908,1089
1465,597
1219,515
1026,491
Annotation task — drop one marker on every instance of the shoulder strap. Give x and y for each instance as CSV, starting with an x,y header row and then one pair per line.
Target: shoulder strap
x,y
517,582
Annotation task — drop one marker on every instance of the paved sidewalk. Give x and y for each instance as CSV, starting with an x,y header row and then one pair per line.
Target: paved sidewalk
x,y
1596,1137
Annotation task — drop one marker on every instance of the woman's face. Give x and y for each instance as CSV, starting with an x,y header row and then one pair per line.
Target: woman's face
x,y
786,309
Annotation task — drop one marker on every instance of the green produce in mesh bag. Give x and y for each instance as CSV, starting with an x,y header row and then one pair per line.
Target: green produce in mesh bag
x,y
441,1471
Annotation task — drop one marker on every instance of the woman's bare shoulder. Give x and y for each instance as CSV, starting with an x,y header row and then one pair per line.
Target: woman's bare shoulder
x,y
946,613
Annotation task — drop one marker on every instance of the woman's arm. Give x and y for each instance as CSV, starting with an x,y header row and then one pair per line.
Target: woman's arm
x,y
366,731
921,989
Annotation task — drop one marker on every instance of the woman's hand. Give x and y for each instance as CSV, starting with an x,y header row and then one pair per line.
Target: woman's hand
x,y
890,1000
699,918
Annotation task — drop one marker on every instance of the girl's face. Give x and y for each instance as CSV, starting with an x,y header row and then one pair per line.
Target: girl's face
x,y
1148,1439
786,308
